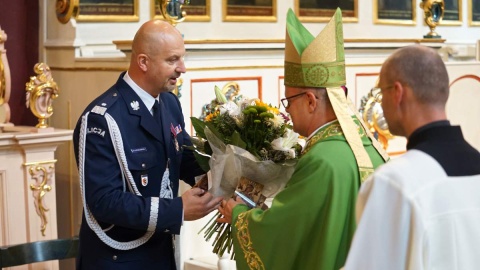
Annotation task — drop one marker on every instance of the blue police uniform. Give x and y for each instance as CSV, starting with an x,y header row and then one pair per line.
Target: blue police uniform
x,y
148,147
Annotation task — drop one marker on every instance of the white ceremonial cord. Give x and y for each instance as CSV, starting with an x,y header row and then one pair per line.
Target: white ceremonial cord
x,y
165,189
120,153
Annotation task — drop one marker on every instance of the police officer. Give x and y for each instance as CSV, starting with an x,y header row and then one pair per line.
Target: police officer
x,y
128,144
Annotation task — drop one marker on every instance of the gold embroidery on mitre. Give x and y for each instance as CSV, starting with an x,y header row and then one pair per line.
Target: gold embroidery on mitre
x,y
315,75
323,48
251,257
320,62
314,62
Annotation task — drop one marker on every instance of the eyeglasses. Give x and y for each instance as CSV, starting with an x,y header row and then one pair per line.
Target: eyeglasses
x,y
285,102
377,92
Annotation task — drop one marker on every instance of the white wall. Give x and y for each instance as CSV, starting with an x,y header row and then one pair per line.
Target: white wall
x,y
98,37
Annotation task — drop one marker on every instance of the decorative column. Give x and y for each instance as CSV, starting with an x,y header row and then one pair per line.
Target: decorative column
x,y
28,205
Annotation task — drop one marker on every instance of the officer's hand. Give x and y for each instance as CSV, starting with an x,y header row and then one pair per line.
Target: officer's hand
x,y
197,203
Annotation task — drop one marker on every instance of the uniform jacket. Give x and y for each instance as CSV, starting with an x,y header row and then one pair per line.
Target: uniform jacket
x,y
148,147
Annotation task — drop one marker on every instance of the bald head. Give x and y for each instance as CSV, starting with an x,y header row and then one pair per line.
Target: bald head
x,y
157,57
421,69
151,35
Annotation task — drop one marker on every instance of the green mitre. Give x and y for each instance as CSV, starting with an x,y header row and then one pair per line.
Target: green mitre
x,y
314,62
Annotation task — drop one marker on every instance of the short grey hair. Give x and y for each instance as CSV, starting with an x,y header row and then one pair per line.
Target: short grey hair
x,y
421,69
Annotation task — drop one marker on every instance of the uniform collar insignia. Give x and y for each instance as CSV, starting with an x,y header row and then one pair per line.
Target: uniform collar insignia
x,y
135,105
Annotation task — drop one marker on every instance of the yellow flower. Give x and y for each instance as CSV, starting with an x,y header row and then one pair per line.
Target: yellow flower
x,y
258,102
271,109
210,116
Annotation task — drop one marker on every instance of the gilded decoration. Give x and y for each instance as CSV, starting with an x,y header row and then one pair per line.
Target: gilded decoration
x,y
41,91
433,11
453,12
42,174
5,81
322,11
474,12
3,86
251,257
372,114
66,9
231,90
108,11
178,88
249,11
191,10
394,12
172,11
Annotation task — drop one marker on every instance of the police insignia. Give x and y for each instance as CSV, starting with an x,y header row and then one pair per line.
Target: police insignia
x,y
99,110
135,105
144,179
96,130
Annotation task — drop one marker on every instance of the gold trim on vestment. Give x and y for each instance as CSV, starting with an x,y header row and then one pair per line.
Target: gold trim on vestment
x,y
340,107
333,129
251,257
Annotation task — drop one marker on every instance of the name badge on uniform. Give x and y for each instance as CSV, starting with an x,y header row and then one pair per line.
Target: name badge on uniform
x,y
144,179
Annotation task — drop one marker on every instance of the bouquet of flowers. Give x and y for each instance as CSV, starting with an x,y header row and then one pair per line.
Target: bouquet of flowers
x,y
248,147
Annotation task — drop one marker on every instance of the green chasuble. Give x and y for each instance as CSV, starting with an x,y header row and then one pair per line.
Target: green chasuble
x,y
311,222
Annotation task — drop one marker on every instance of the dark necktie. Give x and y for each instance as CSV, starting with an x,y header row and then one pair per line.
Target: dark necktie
x,y
156,112
158,119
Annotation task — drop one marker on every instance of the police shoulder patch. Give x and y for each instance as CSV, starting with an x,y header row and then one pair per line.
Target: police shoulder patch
x,y
96,130
105,103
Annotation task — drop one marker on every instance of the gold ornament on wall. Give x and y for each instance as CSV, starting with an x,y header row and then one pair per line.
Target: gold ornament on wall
x,y
5,81
172,10
230,90
42,173
41,91
178,88
372,114
433,11
66,9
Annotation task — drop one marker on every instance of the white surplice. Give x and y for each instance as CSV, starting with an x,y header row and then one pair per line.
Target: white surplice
x,y
411,215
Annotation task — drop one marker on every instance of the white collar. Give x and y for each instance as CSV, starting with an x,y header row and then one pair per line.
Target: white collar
x,y
147,99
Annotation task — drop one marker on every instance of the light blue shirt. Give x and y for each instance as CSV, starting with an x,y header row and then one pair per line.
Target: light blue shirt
x,y
147,99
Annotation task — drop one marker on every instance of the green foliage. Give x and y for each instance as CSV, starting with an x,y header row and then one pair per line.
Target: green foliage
x,y
253,130
202,161
256,128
